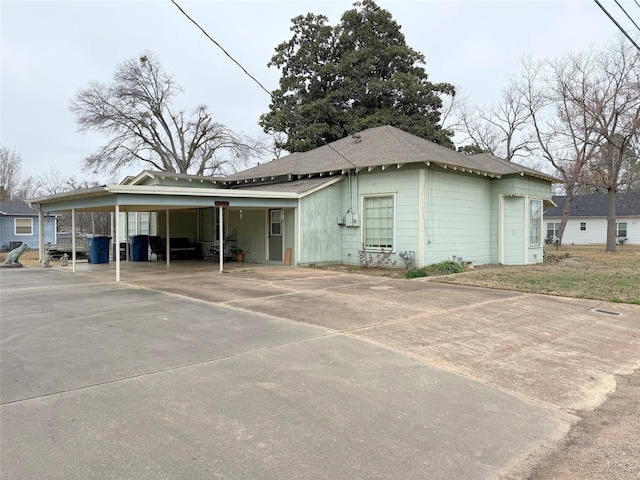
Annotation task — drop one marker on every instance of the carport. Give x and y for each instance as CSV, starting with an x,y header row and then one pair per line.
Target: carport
x,y
154,192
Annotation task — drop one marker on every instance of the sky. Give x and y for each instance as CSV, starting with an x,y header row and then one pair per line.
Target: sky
x,y
50,49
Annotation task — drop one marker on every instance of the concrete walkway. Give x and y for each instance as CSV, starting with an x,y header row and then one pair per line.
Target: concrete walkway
x,y
289,373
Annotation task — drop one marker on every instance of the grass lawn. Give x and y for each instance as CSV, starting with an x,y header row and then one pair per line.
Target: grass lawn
x,y
584,271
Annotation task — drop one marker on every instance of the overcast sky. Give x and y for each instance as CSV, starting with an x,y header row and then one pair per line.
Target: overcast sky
x,y
50,49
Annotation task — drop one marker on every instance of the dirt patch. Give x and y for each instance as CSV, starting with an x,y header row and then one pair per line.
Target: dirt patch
x,y
603,445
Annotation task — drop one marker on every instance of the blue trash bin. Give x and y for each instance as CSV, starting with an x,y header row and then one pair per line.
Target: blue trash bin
x,y
98,249
139,248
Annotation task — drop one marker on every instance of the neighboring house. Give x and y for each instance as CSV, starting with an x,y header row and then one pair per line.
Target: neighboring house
x,y
587,221
19,225
381,191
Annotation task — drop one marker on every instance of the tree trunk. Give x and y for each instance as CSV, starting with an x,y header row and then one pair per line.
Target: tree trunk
x,y
568,202
611,220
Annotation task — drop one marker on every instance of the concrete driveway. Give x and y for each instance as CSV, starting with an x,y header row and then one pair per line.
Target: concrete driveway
x,y
290,373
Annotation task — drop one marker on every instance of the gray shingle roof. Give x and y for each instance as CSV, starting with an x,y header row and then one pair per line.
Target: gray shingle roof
x,y
595,205
17,208
381,146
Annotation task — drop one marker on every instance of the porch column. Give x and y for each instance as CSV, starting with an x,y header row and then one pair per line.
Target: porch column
x,y
117,242
168,245
73,240
221,233
40,236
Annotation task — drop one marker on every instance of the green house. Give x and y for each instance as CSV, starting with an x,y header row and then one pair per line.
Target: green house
x,y
379,191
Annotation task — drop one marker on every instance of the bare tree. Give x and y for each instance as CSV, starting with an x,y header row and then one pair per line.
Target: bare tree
x,y
611,101
564,137
10,165
501,129
134,111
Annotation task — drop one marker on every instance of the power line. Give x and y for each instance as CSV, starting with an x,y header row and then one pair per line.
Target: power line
x,y
249,75
617,24
625,12
220,47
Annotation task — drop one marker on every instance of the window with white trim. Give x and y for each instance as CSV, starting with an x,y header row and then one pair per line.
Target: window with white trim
x,y
583,226
378,222
23,226
621,229
552,229
535,223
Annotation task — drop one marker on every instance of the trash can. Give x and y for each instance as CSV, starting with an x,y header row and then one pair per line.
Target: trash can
x,y
98,249
139,248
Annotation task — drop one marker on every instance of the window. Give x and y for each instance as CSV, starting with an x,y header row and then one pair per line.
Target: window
x,y
209,224
621,229
535,222
583,226
139,223
275,228
552,229
378,222
23,226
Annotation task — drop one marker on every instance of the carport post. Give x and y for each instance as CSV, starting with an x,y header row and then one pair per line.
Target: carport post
x,y
40,235
168,242
117,243
221,232
73,240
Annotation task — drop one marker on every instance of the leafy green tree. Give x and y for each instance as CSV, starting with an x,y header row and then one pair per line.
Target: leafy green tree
x,y
356,75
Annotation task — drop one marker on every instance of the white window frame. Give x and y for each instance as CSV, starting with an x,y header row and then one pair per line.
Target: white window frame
x,y
535,231
364,222
583,226
626,226
15,226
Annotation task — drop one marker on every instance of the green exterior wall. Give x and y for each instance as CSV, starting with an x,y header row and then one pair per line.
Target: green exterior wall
x,y
320,234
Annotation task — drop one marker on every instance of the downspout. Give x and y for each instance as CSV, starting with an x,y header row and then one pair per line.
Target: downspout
x,y
421,236
501,229
527,226
297,232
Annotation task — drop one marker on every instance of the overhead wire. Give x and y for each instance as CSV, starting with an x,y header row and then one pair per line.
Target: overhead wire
x,y
628,16
617,25
248,74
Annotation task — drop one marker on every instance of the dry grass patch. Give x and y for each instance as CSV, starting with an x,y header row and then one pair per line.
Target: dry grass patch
x,y
572,271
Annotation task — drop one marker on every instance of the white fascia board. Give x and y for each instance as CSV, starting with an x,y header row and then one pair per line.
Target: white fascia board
x,y
320,187
198,192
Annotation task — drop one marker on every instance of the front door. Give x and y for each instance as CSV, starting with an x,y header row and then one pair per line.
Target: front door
x,y
275,235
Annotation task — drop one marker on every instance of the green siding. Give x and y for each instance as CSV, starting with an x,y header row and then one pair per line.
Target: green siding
x,y
457,216
250,233
320,234
403,184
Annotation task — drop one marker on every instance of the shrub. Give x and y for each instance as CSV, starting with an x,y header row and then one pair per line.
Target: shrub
x,y
448,267
416,273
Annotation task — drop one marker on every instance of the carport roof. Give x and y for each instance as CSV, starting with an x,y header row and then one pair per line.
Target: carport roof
x,y
145,197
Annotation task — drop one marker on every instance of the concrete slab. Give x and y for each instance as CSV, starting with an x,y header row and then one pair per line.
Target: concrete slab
x,y
109,380
326,408
185,372
558,351
63,336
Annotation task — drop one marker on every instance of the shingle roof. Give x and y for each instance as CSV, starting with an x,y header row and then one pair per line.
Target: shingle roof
x,y
17,208
595,205
381,146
